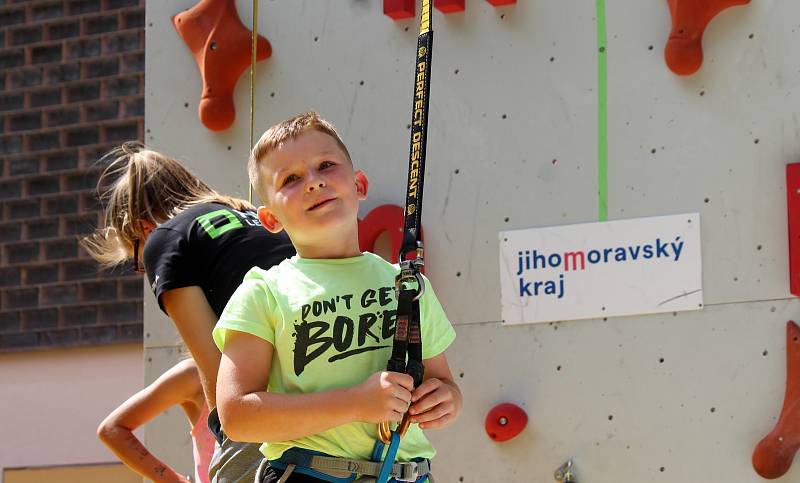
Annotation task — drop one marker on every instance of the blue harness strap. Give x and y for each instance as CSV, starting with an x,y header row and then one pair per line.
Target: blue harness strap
x,y
388,461
302,459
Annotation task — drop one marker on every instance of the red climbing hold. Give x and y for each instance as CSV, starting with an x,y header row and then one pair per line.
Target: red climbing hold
x,y
383,219
505,421
684,50
773,456
399,9
221,46
449,6
793,212
500,3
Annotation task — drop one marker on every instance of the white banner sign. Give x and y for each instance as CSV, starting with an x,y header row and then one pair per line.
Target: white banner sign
x,y
625,267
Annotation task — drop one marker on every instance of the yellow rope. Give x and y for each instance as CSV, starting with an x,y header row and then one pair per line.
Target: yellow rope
x,y
253,51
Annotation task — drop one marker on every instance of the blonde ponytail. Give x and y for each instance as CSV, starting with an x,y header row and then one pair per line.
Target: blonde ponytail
x,y
142,184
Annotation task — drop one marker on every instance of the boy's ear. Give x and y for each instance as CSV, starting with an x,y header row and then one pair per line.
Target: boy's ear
x,y
362,185
268,220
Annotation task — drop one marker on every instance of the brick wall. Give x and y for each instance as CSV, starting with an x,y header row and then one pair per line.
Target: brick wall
x,y
71,87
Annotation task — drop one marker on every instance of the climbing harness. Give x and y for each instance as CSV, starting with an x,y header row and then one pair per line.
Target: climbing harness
x,y
344,470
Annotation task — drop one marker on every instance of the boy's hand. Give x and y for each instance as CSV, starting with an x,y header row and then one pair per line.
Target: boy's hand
x,y
384,396
435,404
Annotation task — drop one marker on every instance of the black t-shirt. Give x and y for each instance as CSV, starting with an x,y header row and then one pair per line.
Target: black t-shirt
x,y
212,246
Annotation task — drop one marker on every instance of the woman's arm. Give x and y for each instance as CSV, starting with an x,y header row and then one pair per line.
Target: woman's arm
x,y
250,413
178,385
195,319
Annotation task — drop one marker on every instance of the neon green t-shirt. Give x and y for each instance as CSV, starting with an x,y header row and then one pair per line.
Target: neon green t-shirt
x,y
331,323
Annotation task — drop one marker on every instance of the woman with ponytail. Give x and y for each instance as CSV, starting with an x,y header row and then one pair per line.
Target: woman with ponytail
x,y
195,246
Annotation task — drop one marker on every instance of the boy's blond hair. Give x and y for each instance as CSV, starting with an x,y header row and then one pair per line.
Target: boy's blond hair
x,y
282,132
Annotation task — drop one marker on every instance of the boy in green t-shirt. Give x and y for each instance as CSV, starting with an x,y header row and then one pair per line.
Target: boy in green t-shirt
x,y
305,344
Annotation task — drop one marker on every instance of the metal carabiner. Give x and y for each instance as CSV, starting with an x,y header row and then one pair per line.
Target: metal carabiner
x,y
385,432
411,274
385,429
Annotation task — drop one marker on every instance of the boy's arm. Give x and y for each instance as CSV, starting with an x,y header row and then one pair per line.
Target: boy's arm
x,y
249,413
437,402
176,386
195,319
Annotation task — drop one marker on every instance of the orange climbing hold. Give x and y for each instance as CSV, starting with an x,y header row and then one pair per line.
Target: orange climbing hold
x,y
221,46
773,456
684,50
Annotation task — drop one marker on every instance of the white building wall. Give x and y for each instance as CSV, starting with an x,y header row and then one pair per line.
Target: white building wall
x,y
513,144
52,402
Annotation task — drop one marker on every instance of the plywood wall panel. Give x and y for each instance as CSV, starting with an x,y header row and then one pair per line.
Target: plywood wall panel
x,y
514,144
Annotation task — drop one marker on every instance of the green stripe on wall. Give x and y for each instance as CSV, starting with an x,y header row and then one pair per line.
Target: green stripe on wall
x,y
602,113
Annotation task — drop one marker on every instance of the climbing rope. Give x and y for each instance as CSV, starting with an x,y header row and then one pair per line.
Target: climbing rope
x,y
253,52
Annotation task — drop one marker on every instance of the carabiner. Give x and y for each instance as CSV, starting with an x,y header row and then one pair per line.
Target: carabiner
x,y
385,429
407,274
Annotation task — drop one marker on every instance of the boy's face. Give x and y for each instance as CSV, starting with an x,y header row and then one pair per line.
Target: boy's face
x,y
312,189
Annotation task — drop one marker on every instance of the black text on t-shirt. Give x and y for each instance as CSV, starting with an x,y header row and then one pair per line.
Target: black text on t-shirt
x,y
347,336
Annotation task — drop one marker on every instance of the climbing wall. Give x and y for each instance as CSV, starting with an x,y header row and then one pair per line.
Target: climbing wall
x,y
534,106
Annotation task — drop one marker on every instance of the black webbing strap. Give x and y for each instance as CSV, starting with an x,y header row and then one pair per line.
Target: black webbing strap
x,y
407,338
409,284
419,135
